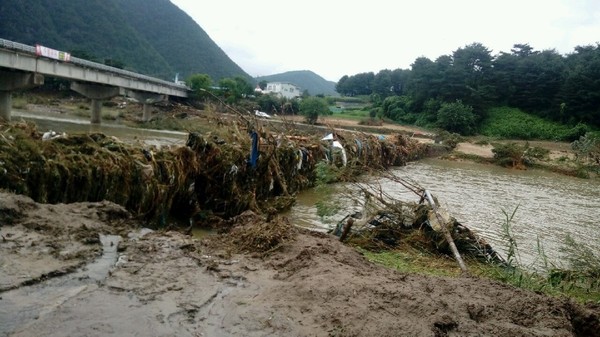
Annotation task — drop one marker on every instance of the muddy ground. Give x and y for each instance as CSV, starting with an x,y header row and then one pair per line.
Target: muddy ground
x,y
166,283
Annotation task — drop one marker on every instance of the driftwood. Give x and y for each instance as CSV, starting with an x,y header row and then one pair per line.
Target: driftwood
x,y
346,229
446,233
386,219
425,195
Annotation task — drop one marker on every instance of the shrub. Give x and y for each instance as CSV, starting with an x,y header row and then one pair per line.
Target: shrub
x,y
312,107
456,117
450,140
510,154
396,107
587,148
516,155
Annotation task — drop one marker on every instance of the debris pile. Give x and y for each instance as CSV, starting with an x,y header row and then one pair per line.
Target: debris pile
x,y
386,222
253,233
91,167
239,166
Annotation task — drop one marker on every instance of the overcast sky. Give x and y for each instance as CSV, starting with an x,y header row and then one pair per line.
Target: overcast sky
x,y
334,38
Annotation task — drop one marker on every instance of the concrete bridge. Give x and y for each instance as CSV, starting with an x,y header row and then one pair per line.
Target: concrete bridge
x,y
24,67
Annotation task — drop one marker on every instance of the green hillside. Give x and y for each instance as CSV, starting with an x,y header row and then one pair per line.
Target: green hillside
x,y
153,37
305,79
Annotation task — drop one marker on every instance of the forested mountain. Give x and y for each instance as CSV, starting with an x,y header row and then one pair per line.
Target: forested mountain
x,y
563,88
305,79
153,37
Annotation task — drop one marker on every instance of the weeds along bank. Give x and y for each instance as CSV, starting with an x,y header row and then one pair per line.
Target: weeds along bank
x,y
236,167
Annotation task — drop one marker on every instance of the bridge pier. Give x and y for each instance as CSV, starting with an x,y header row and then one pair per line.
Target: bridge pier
x,y
147,113
147,99
11,81
5,105
97,93
17,60
96,110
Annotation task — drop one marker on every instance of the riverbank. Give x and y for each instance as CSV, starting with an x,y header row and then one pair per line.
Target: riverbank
x,y
558,157
561,158
308,284
261,277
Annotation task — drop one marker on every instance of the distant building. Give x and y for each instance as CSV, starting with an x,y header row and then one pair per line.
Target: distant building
x,y
283,89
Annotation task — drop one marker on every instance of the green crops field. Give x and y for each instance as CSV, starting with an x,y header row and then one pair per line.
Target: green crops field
x,y
511,123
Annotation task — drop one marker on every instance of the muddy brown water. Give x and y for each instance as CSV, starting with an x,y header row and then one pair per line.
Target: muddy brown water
x,y
72,124
548,206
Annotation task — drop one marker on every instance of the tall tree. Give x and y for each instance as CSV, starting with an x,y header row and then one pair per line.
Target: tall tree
x,y
580,95
537,80
342,86
359,84
522,50
382,83
200,84
422,81
400,79
503,76
473,66
233,89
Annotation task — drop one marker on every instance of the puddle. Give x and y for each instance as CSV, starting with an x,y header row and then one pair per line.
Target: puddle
x,y
24,305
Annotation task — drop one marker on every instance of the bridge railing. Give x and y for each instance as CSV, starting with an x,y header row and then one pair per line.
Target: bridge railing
x,y
16,46
93,65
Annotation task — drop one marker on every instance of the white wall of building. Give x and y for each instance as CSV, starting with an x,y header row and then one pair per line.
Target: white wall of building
x,y
284,89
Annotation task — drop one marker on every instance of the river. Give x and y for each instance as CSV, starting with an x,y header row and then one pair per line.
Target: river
x,y
548,206
72,124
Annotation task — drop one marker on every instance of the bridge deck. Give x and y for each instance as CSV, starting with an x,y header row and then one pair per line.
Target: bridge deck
x,y
22,57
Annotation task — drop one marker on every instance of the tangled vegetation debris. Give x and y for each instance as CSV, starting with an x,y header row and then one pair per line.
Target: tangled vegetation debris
x,y
253,233
212,174
386,223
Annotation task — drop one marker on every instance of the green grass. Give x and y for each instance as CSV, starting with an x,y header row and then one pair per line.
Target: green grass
x,y
19,102
581,283
411,260
351,114
511,123
417,262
